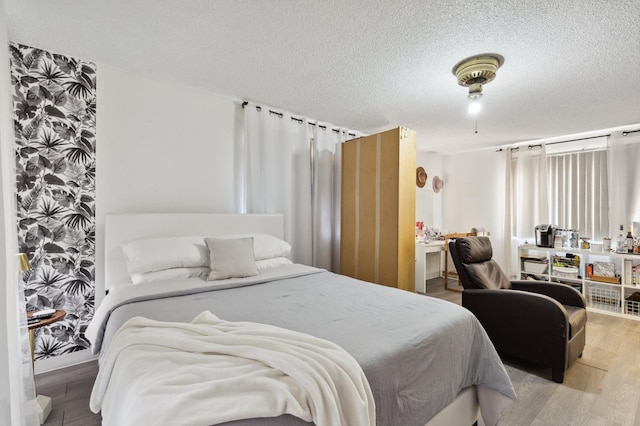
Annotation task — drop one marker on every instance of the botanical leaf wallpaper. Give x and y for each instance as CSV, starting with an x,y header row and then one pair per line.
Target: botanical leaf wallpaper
x,y
54,103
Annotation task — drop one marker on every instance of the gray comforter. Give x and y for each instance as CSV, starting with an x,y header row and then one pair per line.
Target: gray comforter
x,y
417,352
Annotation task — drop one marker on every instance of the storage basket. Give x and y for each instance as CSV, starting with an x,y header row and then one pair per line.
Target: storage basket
x,y
536,266
604,297
569,260
565,271
633,307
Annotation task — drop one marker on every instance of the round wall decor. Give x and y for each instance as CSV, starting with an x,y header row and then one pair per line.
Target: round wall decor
x,y
421,177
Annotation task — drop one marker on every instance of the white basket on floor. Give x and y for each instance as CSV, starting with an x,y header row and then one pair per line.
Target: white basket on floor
x,y
604,297
632,307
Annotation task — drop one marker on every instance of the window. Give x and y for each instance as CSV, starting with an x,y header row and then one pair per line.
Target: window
x,y
561,184
578,192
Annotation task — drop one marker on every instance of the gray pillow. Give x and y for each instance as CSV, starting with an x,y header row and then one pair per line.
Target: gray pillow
x,y
231,258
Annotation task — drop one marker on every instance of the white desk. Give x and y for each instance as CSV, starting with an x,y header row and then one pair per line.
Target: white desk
x,y
428,263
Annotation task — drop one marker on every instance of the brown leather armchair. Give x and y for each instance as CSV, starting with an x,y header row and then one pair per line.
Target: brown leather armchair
x,y
537,321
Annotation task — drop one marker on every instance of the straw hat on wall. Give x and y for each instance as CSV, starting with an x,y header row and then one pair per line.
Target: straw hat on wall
x,y
421,177
437,184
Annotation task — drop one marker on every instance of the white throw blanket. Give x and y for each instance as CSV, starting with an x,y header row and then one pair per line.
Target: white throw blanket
x,y
212,371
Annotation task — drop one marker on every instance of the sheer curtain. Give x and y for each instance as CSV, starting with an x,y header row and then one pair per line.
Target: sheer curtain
x,y
17,394
527,198
290,165
624,182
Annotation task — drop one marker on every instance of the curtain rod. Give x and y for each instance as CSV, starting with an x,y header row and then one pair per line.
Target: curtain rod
x,y
579,139
299,120
570,140
627,132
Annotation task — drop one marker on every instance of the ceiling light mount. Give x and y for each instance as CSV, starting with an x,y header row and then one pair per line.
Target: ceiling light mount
x,y
478,69
475,71
475,91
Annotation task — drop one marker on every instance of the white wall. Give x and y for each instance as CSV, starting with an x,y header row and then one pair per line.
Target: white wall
x,y
428,203
161,147
473,195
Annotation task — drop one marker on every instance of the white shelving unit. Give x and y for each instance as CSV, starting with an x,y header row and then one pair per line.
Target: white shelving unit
x,y
603,297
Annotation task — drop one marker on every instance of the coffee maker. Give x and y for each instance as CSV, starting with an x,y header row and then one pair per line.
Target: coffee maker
x,y
544,235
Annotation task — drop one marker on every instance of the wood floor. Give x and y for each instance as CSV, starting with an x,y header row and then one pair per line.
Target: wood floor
x,y
69,389
600,389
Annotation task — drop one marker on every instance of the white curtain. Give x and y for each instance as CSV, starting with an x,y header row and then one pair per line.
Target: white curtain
x,y
527,198
509,242
17,394
624,182
326,146
569,188
288,164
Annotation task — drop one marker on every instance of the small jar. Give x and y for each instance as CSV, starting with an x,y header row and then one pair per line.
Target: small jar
x,y
584,243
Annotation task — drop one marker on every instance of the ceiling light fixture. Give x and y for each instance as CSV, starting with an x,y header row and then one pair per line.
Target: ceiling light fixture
x,y
474,72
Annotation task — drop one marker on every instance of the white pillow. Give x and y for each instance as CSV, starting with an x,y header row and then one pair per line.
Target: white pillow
x,y
170,274
264,246
265,264
157,254
231,258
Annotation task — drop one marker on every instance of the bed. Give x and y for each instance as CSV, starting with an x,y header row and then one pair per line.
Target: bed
x,y
426,361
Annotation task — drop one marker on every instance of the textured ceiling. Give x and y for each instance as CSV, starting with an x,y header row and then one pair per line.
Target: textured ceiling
x,y
571,66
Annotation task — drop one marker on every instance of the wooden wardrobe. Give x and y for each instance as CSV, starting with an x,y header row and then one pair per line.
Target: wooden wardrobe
x,y
378,208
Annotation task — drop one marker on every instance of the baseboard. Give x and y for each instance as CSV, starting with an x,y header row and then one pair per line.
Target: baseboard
x,y
62,361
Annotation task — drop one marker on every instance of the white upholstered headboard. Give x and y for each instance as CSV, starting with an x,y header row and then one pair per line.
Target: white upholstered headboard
x,y
122,228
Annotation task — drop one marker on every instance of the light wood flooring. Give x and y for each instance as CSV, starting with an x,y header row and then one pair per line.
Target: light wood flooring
x,y
600,389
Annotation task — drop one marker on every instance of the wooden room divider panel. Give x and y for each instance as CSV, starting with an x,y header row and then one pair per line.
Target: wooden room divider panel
x,y
378,200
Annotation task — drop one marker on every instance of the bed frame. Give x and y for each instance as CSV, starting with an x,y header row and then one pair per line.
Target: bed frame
x,y
464,410
121,228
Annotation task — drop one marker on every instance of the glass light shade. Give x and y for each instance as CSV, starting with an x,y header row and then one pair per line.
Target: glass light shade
x,y
475,106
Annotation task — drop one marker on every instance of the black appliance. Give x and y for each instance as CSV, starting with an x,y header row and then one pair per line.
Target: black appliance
x,y
544,235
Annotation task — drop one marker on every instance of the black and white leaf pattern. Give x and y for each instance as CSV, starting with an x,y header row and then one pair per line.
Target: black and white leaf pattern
x,y
54,121
53,179
54,112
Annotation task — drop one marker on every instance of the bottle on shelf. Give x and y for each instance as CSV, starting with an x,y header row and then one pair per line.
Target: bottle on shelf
x,y
629,241
574,238
621,246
